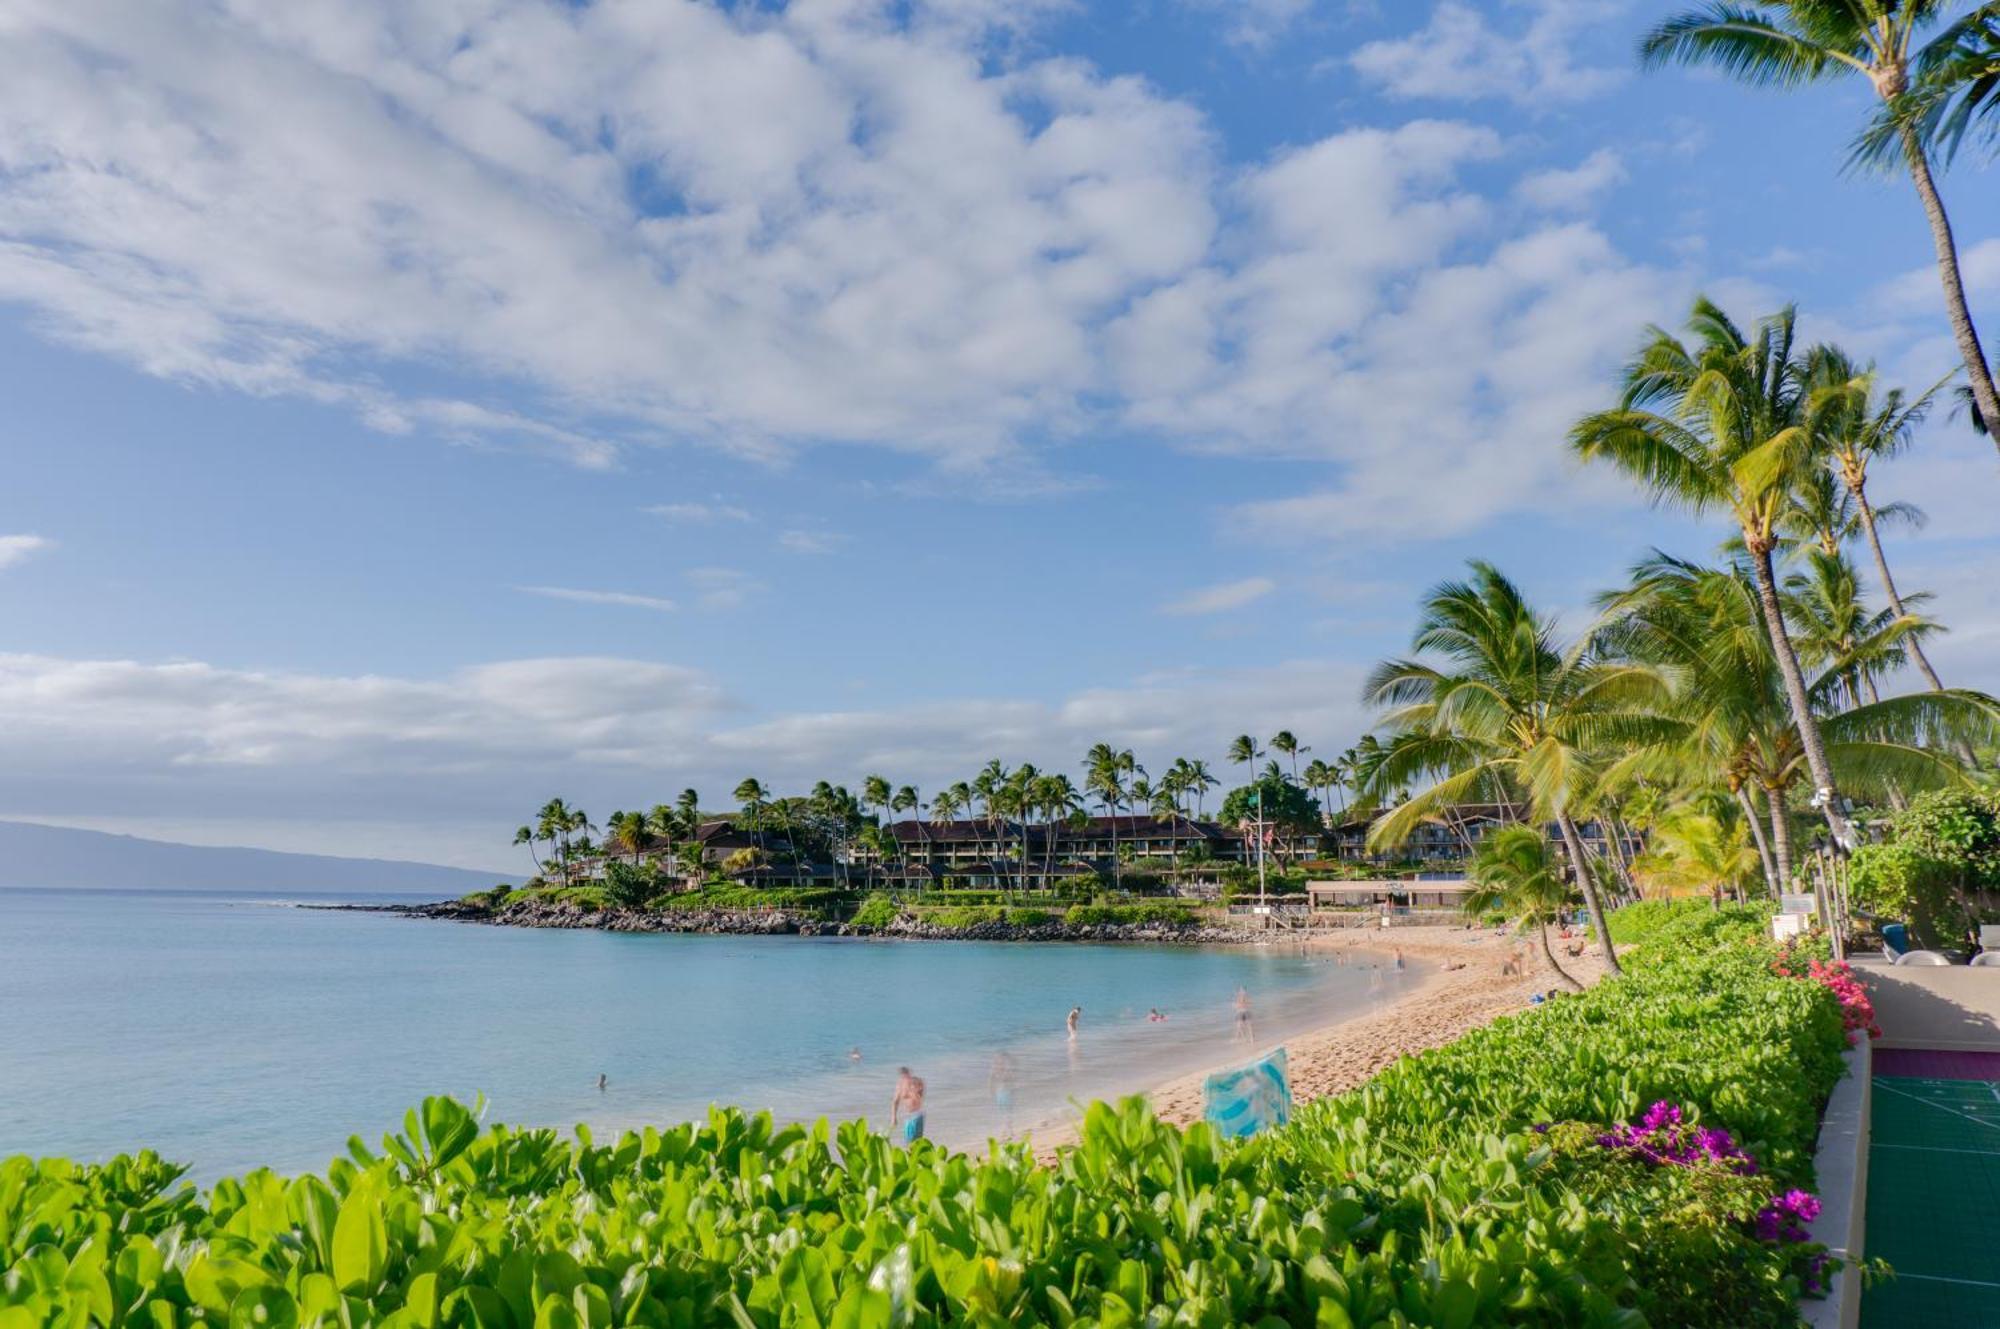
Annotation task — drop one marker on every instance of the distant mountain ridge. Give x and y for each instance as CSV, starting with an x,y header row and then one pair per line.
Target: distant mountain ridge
x,y
32,854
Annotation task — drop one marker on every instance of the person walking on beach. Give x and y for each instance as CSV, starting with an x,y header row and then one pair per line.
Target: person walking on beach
x,y
1244,1031
1399,959
1000,1083
1075,1014
906,1106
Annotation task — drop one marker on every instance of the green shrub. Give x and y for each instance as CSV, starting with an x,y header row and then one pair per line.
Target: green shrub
x,y
1030,918
877,911
961,915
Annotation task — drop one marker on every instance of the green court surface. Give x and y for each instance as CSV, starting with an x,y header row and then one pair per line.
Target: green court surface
x,y
1934,1203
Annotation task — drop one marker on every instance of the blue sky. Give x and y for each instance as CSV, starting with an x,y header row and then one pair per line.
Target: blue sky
x,y
419,410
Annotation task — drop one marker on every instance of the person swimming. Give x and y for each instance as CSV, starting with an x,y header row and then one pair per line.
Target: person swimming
x,y
906,1106
854,1054
1154,1015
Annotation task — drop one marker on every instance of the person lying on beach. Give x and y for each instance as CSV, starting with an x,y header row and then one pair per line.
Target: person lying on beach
x,y
906,1106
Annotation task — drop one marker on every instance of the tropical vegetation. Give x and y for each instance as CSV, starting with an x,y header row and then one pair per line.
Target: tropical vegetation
x,y
1637,1153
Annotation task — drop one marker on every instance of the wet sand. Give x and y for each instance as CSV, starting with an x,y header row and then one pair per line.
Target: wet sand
x,y
1463,987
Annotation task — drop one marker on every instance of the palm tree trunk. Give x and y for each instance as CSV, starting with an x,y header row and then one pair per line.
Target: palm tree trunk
x,y
1860,491
1781,836
1573,843
1561,973
1889,583
1984,398
1748,803
1795,691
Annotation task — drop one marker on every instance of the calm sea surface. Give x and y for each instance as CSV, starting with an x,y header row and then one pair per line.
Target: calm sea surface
x,y
229,1031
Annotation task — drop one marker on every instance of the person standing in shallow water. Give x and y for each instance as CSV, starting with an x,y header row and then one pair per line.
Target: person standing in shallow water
x,y
1244,1031
1075,1014
906,1106
1000,1082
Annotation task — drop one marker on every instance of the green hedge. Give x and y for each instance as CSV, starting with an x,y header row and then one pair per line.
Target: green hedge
x,y
1426,1198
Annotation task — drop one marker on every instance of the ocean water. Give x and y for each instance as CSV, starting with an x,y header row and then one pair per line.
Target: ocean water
x,y
231,1031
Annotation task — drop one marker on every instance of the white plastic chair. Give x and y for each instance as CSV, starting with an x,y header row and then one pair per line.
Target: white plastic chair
x,y
1987,959
1921,958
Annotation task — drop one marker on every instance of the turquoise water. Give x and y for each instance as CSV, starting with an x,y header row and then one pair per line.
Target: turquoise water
x,y
227,1032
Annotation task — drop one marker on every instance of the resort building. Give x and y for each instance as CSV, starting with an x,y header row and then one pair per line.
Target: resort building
x,y
1453,836
999,853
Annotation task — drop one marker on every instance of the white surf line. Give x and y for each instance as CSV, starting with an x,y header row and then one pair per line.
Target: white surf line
x,y
1934,1149
1883,1084
1940,1278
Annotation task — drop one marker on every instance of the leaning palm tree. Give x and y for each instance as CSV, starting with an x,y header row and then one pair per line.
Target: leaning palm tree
x,y
1789,42
1512,874
1105,770
1732,430
1858,427
526,835
1492,708
876,793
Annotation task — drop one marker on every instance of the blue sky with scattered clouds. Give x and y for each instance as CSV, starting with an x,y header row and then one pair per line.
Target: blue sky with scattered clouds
x,y
420,409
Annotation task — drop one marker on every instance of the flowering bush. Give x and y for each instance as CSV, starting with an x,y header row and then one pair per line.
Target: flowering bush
x,y
1661,1137
1857,1012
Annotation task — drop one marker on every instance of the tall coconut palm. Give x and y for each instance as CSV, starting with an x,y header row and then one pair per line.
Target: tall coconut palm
x,y
1857,427
1199,781
753,798
1511,873
1790,42
1508,713
1287,742
876,793
1732,431
1322,778
1105,770
560,824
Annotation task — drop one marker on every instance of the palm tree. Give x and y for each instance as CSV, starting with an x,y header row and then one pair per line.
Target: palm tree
x,y
752,797
1838,634
1105,769
876,794
629,831
1322,778
1691,850
1733,432
1055,799
907,800
1702,628
1787,42
557,822
526,835
1199,781
1510,714
1857,427
1284,741
1511,874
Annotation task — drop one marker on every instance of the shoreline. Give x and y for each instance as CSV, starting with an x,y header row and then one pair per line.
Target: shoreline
x,y
786,922
1461,991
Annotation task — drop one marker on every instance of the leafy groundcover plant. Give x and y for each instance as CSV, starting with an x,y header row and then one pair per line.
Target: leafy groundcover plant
x,y
1636,1155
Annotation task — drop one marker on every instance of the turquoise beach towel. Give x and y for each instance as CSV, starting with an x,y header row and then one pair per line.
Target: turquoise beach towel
x,y
1248,1099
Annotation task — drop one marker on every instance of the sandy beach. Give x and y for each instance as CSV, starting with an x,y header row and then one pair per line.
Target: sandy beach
x,y
1462,988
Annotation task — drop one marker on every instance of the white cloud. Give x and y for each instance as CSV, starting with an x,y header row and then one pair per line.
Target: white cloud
x,y
1459,55
1573,189
624,599
810,542
723,588
1220,599
699,513
14,548
444,768
1254,24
